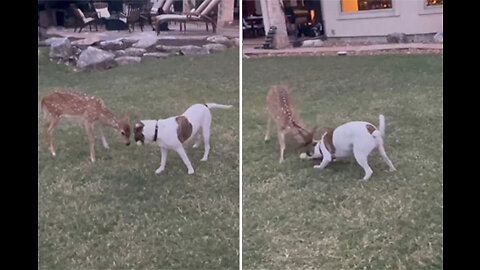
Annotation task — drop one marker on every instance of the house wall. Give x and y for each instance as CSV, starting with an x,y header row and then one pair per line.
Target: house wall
x,y
406,16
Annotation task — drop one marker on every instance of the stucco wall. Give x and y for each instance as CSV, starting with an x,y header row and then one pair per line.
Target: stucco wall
x,y
406,16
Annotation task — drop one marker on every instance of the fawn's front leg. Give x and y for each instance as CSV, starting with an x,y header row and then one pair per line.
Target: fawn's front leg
x,y
91,139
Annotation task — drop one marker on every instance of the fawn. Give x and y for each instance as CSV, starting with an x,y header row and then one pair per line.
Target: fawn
x,y
281,110
88,109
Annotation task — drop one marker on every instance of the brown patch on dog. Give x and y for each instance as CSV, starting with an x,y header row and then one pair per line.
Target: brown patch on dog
x,y
138,132
184,129
370,128
328,141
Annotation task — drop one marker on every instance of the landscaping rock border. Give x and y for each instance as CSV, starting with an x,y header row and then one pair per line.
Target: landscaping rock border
x,y
89,54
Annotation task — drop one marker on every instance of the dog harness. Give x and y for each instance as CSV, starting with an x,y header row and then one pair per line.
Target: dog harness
x,y
156,132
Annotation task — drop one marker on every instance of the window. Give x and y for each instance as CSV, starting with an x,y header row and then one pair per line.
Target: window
x,y
360,5
434,2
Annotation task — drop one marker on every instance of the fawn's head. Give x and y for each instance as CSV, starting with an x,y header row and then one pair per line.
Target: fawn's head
x,y
124,130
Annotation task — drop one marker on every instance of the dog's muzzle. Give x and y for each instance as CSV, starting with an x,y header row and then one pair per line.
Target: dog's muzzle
x,y
139,137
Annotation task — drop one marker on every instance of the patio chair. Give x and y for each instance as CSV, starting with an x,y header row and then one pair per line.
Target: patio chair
x,y
102,13
133,17
102,10
200,14
247,29
145,13
82,21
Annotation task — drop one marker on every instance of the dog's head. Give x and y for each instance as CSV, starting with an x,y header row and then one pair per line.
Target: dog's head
x,y
308,136
313,150
124,130
138,132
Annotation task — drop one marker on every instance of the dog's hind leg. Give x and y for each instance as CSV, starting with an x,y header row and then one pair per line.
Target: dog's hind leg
x,y
183,155
281,141
362,160
381,149
206,138
198,140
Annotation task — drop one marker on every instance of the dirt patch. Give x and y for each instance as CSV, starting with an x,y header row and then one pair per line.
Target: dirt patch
x,y
182,42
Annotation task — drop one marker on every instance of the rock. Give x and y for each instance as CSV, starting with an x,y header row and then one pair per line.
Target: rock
x,y
49,41
112,45
220,39
145,42
126,60
397,38
95,58
61,49
215,47
135,52
193,50
76,50
312,43
166,48
129,41
236,42
438,38
157,55
85,43
119,53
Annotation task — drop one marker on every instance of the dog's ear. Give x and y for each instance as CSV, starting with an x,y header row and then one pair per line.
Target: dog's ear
x,y
139,126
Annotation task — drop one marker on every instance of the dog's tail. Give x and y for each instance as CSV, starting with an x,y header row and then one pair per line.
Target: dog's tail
x,y
381,125
219,106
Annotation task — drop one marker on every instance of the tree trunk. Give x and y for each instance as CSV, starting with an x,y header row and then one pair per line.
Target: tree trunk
x,y
225,13
273,15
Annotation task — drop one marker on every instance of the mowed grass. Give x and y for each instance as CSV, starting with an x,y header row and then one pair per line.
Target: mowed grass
x,y
117,214
296,217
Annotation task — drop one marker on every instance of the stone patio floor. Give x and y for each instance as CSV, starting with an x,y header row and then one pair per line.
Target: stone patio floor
x,y
195,31
250,49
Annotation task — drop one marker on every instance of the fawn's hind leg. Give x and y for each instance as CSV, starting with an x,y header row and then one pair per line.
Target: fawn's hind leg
x,y
267,133
281,141
91,139
49,127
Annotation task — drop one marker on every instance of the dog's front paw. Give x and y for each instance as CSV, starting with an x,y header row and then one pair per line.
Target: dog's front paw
x,y
159,170
317,167
204,159
191,171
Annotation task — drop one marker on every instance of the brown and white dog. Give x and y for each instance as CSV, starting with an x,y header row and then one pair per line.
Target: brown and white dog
x,y
88,109
174,132
281,110
358,138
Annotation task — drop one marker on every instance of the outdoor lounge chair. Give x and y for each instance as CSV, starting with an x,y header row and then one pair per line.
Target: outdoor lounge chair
x,y
82,21
196,15
160,7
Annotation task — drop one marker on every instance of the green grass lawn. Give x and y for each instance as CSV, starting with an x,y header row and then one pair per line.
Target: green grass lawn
x,y
117,214
295,217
